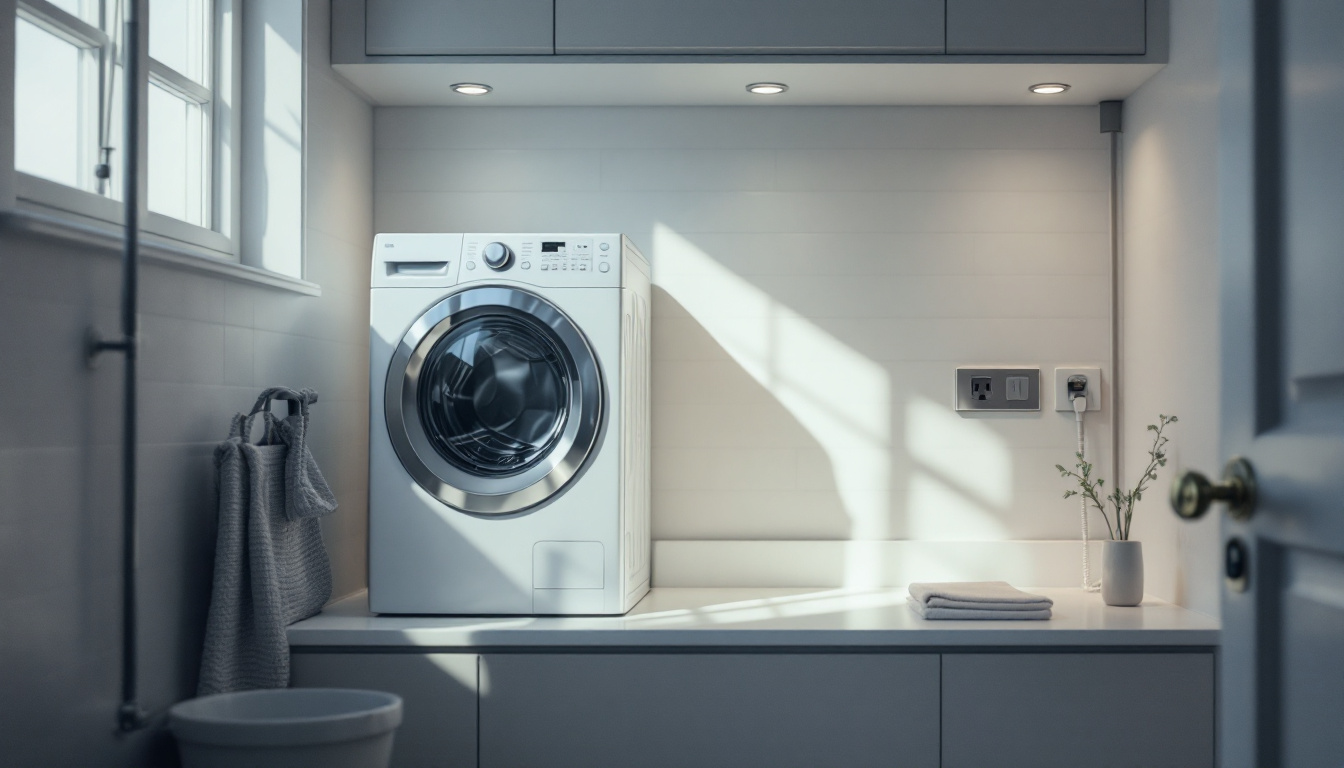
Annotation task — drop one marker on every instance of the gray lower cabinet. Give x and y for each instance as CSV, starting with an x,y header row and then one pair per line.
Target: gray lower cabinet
x,y
438,692
705,710
748,26
458,27
1046,27
1102,710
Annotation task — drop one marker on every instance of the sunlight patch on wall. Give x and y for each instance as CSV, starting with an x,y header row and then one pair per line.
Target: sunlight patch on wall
x,y
964,476
839,396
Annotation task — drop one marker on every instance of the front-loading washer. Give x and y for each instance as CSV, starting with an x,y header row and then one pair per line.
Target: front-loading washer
x,y
509,424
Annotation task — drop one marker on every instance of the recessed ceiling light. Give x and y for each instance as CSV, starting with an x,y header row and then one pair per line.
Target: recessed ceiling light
x,y
471,89
767,89
1049,88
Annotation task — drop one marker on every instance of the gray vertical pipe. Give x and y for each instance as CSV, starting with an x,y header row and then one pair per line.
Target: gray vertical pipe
x,y
1111,123
131,716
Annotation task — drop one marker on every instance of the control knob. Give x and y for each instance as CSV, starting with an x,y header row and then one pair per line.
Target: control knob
x,y
497,256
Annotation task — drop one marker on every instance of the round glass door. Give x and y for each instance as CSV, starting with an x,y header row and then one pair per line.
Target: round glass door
x,y
494,400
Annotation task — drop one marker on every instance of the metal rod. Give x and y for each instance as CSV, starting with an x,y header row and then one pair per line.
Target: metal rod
x,y
130,716
1112,123
1116,350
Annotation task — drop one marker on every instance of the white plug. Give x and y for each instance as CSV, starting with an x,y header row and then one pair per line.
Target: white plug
x,y
1079,405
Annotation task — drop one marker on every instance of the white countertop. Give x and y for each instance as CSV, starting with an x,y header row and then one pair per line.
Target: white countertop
x,y
701,617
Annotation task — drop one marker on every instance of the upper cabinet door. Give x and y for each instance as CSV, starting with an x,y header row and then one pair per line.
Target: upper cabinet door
x,y
748,26
458,27
1058,27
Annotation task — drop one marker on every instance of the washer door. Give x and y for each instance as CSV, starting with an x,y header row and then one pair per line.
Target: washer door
x,y
494,400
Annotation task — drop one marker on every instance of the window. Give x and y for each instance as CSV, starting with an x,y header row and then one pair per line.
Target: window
x,y
61,52
212,128
67,113
180,99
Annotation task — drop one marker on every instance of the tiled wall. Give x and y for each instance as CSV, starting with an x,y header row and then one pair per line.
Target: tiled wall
x,y
209,345
819,273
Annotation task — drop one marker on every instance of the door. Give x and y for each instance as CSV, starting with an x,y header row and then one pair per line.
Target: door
x,y
1282,671
458,27
748,26
494,400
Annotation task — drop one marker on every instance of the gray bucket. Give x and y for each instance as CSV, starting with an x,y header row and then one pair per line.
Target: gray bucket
x,y
287,728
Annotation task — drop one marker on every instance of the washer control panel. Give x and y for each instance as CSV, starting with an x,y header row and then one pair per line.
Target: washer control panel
x,y
559,259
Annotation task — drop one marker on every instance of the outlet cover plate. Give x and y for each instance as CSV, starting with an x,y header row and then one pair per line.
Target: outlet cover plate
x,y
1022,397
1094,390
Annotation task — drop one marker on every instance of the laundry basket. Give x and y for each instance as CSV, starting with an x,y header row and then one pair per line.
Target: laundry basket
x,y
287,728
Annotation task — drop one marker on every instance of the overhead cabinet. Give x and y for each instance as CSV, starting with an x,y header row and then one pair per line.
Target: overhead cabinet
x,y
370,31
1046,27
748,26
457,27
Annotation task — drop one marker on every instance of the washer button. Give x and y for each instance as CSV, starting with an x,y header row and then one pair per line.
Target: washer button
x,y
604,266
471,265
526,265
545,267
604,246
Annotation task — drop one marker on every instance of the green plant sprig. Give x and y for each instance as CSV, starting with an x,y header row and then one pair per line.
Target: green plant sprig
x,y
1122,502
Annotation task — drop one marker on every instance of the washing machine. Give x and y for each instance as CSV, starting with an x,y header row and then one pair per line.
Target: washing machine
x,y
509,424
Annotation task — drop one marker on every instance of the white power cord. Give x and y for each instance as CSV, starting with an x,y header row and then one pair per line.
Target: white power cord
x,y
1079,406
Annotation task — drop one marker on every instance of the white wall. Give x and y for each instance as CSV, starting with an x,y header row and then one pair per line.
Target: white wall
x,y
208,346
1171,293
819,273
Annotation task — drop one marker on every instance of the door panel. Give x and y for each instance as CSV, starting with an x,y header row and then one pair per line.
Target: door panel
x,y
1311,635
706,710
1044,710
457,27
748,26
1053,27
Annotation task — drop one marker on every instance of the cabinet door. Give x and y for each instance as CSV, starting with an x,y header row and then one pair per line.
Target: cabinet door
x,y
748,26
1118,710
438,692
706,710
458,27
1046,26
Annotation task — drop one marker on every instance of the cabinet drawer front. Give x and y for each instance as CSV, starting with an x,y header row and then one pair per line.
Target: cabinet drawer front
x,y
458,27
438,692
704,710
1145,710
1060,27
748,26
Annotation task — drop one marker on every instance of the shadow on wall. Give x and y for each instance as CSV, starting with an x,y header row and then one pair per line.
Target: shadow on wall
x,y
769,426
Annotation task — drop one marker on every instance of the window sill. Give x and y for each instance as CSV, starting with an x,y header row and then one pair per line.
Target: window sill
x,y
40,221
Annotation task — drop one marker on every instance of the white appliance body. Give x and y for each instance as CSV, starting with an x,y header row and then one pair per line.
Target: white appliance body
x,y
509,424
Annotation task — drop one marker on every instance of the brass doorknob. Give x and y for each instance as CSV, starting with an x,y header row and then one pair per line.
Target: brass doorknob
x,y
1192,493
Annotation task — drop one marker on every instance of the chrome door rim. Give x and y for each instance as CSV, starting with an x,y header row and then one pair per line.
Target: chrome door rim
x,y
493,495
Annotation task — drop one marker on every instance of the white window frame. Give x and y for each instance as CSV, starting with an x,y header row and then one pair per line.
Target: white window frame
x,y
216,240
31,203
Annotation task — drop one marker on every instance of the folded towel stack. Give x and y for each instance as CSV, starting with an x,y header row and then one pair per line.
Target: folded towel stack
x,y
977,600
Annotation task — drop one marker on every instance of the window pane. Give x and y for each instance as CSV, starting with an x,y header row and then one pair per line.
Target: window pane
x,y
177,156
179,36
84,9
53,107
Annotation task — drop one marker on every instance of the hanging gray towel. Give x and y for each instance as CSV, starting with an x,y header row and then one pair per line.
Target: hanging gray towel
x,y
271,568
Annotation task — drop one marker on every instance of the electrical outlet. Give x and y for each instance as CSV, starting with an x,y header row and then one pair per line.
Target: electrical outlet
x,y
1094,393
981,388
998,389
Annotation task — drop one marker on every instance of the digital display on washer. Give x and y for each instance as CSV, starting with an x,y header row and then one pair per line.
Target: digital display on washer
x,y
552,247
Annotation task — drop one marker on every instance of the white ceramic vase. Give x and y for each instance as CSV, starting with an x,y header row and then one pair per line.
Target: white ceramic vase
x,y
1122,572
